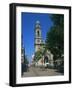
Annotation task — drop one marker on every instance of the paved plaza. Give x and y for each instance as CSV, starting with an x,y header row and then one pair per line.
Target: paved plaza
x,y
34,71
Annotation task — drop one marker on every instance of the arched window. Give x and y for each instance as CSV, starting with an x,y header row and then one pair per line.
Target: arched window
x,y
46,59
38,33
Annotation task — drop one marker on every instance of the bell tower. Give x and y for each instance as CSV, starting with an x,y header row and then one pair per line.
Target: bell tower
x,y
38,36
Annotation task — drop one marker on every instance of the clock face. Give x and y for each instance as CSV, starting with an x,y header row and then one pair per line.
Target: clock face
x,y
38,41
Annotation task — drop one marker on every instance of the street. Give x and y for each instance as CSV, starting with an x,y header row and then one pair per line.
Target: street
x,y
34,71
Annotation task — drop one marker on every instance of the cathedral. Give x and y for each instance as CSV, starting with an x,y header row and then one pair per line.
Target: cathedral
x,y
47,58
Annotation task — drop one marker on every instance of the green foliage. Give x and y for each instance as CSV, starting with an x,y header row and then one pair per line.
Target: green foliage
x,y
26,60
38,55
58,19
55,37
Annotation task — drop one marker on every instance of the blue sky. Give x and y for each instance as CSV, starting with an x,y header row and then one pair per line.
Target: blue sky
x,y
28,28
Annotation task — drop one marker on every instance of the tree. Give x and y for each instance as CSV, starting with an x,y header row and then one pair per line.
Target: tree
x,y
38,55
54,42
55,36
58,20
26,60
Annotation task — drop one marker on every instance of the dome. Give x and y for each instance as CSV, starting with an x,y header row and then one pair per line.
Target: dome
x,y
37,22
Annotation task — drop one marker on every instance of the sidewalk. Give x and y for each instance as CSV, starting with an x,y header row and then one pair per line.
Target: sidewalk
x,y
33,71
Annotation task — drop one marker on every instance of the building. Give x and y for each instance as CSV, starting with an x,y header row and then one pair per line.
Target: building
x,y
47,58
22,50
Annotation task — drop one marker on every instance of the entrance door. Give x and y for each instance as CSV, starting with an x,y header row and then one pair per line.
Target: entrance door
x,y
46,59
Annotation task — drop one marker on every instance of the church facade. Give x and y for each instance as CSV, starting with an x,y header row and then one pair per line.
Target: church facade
x,y
47,58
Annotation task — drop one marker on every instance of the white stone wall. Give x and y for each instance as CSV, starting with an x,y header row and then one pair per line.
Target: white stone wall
x,y
50,60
